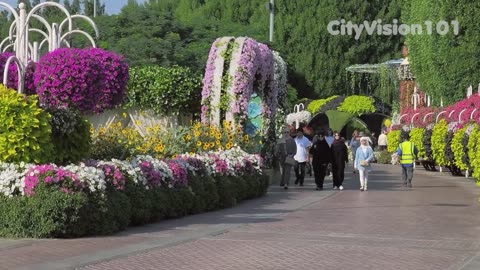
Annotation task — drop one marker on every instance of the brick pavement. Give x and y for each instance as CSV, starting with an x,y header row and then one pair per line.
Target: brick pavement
x,y
436,225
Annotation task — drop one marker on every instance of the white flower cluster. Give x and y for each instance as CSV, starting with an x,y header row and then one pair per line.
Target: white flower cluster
x,y
159,165
302,117
93,177
133,172
452,126
395,159
11,178
469,129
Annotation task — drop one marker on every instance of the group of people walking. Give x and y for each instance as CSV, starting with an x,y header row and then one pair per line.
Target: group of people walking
x,y
329,152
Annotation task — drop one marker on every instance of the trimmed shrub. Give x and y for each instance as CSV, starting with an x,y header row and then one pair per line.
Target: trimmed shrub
x,y
439,133
416,136
50,213
393,138
164,90
71,135
24,129
357,105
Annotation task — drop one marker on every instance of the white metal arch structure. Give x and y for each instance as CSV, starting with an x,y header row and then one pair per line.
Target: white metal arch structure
x,y
411,120
400,119
471,115
20,68
26,50
450,114
438,115
4,49
460,116
70,32
54,34
426,115
63,38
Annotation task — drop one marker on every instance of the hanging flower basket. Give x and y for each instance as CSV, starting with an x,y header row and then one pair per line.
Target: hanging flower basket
x,y
299,115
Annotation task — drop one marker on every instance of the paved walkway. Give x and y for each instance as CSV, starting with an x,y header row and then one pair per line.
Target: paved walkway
x,y
436,225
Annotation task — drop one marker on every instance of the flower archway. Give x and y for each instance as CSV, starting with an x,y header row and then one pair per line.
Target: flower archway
x,y
245,84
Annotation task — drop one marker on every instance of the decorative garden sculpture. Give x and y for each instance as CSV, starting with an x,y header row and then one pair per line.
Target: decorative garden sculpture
x,y
26,50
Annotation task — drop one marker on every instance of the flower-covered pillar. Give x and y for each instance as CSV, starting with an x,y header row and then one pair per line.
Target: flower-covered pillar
x,y
212,81
240,82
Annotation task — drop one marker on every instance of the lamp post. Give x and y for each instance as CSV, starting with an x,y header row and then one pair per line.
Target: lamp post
x,y
94,8
270,7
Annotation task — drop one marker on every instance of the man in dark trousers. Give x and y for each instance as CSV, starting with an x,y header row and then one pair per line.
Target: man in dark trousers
x,y
407,151
321,156
339,159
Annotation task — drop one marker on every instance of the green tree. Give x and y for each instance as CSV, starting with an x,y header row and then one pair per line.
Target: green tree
x,y
444,65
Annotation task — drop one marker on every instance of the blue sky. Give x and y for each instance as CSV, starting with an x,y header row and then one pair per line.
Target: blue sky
x,y
112,6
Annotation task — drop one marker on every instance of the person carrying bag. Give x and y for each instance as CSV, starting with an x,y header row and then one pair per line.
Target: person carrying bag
x,y
286,149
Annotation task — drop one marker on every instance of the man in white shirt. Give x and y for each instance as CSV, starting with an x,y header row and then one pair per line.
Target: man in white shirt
x,y
382,141
303,144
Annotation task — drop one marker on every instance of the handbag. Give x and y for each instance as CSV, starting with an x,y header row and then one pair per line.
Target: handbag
x,y
363,163
288,159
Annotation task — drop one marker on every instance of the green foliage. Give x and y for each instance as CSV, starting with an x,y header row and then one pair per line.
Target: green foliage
x,y
393,139
71,135
50,213
384,157
24,129
338,119
357,105
54,213
473,149
458,150
473,153
320,58
416,136
225,97
314,106
164,90
444,65
439,134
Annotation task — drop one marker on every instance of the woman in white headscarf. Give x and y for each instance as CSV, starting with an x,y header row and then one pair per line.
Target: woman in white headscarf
x,y
363,157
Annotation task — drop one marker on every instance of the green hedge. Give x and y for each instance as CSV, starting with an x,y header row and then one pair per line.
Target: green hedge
x,y
164,90
52,213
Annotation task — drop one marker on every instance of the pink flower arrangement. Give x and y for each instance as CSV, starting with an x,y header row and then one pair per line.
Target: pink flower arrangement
x,y
180,174
467,105
419,114
113,176
91,80
154,177
51,175
220,165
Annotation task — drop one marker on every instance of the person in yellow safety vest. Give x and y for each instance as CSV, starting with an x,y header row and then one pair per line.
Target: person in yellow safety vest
x,y
407,151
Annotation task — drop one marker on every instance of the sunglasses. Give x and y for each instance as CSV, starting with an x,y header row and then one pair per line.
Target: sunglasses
x,y
336,135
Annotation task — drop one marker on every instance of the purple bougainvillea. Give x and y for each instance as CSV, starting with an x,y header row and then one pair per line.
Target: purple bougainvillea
x,y
91,80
